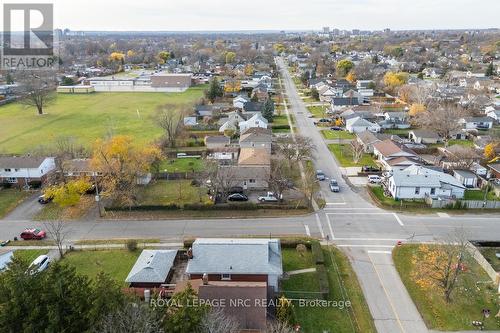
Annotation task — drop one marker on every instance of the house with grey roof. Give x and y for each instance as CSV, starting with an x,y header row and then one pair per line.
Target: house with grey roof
x,y
358,125
236,259
424,136
152,269
477,123
21,171
419,182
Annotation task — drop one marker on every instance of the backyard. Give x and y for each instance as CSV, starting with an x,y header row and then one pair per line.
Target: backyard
x,y
344,156
190,164
344,287
468,299
168,192
9,199
115,263
86,118
479,195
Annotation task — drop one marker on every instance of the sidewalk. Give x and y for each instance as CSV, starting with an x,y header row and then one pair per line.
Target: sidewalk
x,y
95,246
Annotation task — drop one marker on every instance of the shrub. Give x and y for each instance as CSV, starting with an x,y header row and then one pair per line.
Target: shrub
x,y
301,249
131,245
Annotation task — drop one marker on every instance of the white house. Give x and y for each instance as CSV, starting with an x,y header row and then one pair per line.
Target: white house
x,y
467,178
477,123
239,101
392,155
25,170
256,121
418,182
358,125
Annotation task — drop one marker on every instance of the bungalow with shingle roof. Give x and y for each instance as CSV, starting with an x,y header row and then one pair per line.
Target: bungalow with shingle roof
x,y
152,269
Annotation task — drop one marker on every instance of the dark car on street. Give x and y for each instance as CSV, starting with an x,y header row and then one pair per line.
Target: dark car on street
x,y
237,197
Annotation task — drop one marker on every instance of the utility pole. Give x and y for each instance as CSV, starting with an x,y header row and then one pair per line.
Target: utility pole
x,y
97,195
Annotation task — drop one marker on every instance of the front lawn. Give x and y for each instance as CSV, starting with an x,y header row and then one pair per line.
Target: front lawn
x,y
344,156
390,202
471,295
115,263
335,135
9,199
29,255
343,285
168,192
191,164
87,117
317,111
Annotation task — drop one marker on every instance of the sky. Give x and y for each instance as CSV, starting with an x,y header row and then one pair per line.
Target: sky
x,y
233,15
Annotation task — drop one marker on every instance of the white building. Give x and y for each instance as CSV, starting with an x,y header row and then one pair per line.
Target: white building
x,y
256,121
359,125
21,171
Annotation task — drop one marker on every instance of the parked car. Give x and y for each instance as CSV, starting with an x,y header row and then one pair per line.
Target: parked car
x,y
334,185
237,197
39,264
44,199
336,128
374,179
368,168
320,175
322,121
269,197
33,233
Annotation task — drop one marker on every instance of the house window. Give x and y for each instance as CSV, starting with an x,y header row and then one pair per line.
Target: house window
x,y
433,191
11,180
8,170
16,170
252,181
226,277
417,190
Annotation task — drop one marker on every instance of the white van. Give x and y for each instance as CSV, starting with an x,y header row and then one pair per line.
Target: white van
x,y
374,179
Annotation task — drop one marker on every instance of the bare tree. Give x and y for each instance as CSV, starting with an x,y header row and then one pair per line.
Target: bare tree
x,y
278,327
133,318
220,179
58,231
462,157
309,186
357,151
299,149
37,88
216,321
171,120
443,120
280,177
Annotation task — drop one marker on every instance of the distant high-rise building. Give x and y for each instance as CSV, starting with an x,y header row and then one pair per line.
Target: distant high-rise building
x,y
326,30
387,30
335,32
355,31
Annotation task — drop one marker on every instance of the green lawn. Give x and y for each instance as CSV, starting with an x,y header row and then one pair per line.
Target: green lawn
x,y
465,143
467,302
87,117
9,199
344,157
479,195
489,253
333,135
29,255
293,260
169,192
116,263
182,165
318,111
389,202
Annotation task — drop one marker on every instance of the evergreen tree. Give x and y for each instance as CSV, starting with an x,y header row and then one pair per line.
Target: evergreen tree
x,y
268,110
490,71
184,315
214,90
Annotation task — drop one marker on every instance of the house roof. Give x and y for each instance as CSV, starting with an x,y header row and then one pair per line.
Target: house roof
x,y
389,147
417,175
423,133
253,106
495,167
152,266
77,165
235,256
464,173
403,160
21,162
257,134
358,121
254,156
367,137
217,140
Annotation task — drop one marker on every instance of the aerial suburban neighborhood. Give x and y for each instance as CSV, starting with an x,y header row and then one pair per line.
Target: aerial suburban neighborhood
x,y
185,169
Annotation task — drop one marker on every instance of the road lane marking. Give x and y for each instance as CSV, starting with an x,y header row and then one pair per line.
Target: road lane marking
x,y
380,252
443,215
364,245
367,213
318,221
336,203
398,219
330,226
308,232
368,239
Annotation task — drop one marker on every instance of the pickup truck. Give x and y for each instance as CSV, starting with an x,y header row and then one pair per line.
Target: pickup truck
x,y
269,197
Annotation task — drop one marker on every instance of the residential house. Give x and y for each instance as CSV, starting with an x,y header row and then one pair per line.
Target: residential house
x,y
152,269
418,182
367,139
257,137
237,260
25,170
253,107
256,121
79,167
494,114
392,155
338,102
215,142
424,136
494,170
231,121
397,120
358,125
467,178
239,101
261,93
477,123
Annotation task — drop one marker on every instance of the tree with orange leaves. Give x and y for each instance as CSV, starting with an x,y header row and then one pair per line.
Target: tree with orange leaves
x,y
121,163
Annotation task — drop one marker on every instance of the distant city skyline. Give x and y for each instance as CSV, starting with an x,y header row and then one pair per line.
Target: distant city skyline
x,y
224,15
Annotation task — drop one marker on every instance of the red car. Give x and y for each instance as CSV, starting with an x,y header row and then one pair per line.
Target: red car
x,y
28,234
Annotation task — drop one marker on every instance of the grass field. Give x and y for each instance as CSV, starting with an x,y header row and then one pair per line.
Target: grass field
x,y
115,263
465,143
333,135
318,111
87,117
169,192
467,302
29,255
9,199
344,157
479,195
182,165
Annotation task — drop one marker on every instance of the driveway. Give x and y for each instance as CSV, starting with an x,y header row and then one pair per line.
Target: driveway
x,y
26,210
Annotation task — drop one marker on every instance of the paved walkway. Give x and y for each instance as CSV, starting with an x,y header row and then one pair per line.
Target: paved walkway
x,y
94,246
301,271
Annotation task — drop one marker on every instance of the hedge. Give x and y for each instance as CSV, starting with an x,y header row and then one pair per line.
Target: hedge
x,y
198,206
317,253
280,126
324,285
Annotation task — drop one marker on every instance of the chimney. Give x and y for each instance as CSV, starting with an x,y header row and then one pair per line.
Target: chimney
x,y
190,253
205,279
